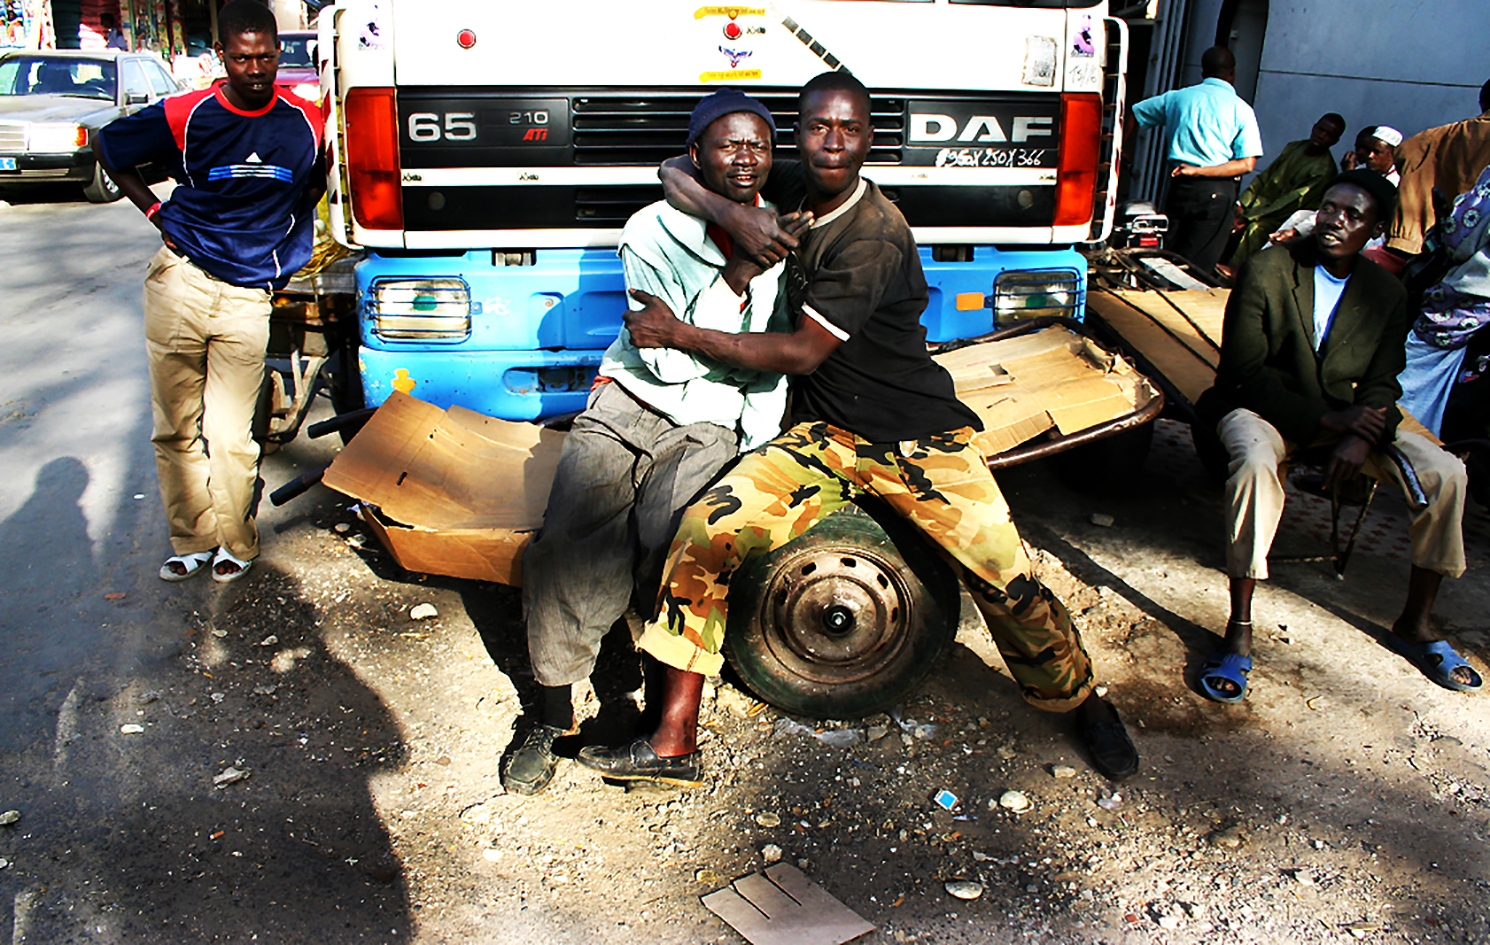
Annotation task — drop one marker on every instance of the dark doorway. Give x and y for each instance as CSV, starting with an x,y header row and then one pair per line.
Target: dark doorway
x,y
1240,28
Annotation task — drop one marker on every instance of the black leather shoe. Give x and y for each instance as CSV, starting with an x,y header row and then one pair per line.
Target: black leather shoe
x,y
532,766
638,762
1111,749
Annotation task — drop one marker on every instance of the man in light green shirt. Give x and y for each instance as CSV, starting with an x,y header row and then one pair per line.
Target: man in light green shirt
x,y
659,426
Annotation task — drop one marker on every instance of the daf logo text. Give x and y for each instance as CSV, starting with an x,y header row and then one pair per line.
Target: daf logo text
x,y
979,129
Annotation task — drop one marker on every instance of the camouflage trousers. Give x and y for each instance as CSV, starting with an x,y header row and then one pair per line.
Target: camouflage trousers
x,y
940,484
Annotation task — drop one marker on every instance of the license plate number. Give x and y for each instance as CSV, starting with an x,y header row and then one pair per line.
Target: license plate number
x,y
7,164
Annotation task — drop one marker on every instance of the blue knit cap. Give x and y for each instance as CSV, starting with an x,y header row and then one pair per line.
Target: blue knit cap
x,y
721,103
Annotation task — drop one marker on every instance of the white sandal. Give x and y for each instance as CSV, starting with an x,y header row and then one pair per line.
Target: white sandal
x,y
192,563
223,554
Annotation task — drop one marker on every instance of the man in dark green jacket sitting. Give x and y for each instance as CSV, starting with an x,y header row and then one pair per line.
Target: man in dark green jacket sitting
x,y
1312,346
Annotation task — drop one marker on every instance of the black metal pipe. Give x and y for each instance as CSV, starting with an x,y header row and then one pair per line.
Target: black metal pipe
x,y
350,418
297,487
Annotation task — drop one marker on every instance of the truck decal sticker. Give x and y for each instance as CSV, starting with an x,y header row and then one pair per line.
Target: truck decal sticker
x,y
731,12
736,56
1086,42
818,49
729,76
371,34
1039,60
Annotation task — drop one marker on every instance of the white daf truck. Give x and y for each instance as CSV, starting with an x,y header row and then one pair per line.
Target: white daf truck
x,y
487,154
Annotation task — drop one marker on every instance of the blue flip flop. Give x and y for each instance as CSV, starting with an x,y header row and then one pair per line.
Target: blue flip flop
x,y
1437,660
1232,667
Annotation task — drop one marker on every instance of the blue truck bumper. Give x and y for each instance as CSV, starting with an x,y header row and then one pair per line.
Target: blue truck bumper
x,y
522,342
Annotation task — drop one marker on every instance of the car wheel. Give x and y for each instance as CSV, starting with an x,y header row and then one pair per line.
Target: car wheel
x,y
844,621
102,189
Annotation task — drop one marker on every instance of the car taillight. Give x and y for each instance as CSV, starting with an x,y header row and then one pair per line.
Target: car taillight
x,y
372,158
1081,142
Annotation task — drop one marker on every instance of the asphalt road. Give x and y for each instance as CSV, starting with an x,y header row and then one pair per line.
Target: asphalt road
x,y
124,837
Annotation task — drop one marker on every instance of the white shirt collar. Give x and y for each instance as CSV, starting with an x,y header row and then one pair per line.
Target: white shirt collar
x,y
846,206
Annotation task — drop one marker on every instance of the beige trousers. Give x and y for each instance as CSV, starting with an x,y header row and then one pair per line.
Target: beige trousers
x,y
206,341
1254,495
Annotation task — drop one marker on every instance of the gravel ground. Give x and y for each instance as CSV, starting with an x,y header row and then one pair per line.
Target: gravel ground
x,y
1345,800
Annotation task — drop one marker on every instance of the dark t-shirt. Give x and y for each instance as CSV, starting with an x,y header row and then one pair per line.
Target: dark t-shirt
x,y
858,274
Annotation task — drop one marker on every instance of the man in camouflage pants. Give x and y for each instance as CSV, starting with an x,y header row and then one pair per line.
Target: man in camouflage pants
x,y
940,483
874,415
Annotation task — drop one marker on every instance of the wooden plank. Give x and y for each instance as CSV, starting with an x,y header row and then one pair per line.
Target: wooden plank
x,y
784,907
1186,356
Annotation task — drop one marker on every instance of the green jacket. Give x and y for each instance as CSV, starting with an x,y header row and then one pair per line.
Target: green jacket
x,y
1268,364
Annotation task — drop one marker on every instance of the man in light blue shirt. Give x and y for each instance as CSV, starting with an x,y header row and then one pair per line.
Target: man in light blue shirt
x,y
1211,141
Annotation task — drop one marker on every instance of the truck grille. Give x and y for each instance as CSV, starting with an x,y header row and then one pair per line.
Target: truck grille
x,y
12,137
645,129
604,129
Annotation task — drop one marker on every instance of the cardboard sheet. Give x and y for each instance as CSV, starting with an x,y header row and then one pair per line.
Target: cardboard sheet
x,y
1050,379
783,907
449,491
457,493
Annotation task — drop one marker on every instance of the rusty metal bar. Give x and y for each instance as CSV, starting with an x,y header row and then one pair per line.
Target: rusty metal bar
x,y
1031,451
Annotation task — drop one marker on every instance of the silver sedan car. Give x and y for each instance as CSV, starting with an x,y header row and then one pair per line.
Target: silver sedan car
x,y
53,102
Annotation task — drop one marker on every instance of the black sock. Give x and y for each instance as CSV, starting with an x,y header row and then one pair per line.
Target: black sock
x,y
557,706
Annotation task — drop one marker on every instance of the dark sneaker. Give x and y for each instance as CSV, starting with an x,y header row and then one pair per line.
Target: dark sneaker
x,y
1110,748
638,762
532,766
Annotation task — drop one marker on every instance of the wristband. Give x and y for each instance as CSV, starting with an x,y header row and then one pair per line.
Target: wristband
x,y
154,209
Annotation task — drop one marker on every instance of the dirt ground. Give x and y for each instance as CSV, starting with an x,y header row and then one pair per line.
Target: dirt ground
x,y
1345,800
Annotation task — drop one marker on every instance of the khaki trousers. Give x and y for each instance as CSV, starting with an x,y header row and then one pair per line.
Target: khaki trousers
x,y
206,341
1254,495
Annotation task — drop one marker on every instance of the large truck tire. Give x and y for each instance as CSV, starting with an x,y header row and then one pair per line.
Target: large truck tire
x,y
344,383
844,621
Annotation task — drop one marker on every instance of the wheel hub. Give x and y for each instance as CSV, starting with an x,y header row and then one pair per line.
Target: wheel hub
x,y
838,620
837,614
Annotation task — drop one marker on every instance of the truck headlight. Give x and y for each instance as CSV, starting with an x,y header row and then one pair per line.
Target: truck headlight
x,y
1030,293
54,138
421,309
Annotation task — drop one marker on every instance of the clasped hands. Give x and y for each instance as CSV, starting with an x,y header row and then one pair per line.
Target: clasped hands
x,y
1362,428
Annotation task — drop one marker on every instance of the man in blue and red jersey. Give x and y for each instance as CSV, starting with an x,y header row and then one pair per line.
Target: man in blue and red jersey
x,y
246,157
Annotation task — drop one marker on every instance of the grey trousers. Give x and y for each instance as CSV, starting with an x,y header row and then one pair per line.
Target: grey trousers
x,y
624,478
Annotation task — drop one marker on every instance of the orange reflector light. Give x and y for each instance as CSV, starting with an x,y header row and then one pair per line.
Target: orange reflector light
x,y
1081,145
372,158
971,301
